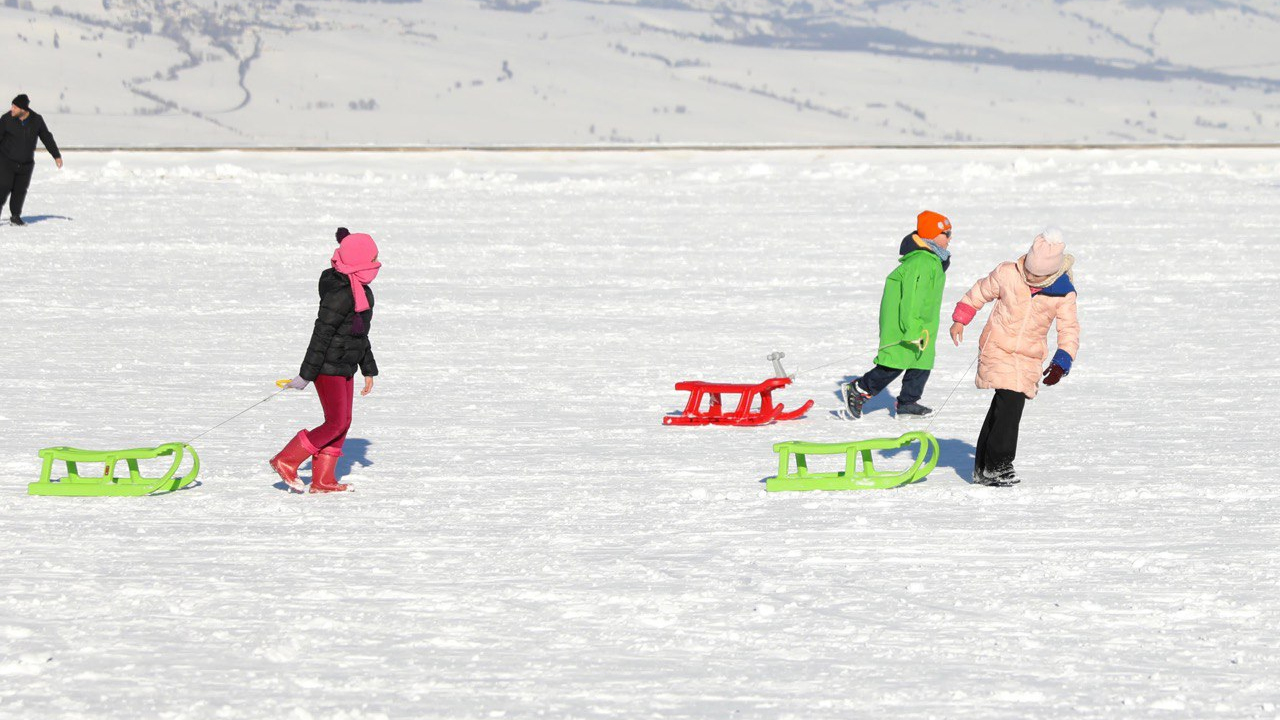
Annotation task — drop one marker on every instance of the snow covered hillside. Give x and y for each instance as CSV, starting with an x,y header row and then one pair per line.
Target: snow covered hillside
x,y
585,72
527,539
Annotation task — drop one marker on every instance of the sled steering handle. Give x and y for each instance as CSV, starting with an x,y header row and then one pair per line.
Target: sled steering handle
x,y
776,359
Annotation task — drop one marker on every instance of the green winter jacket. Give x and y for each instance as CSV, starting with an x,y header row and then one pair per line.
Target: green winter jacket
x,y
911,305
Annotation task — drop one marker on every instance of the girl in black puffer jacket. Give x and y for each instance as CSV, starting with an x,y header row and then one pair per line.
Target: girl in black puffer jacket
x,y
339,345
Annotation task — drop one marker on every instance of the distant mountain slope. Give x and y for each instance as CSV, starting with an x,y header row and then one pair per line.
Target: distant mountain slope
x,y
205,72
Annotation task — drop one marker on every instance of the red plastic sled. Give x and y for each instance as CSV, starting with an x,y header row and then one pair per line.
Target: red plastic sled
x,y
743,414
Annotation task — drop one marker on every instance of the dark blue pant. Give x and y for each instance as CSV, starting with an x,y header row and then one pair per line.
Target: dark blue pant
x,y
879,377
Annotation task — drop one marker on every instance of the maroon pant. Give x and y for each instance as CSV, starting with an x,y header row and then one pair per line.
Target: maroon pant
x,y
336,393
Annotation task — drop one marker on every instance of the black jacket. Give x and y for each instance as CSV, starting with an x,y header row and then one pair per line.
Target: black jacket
x,y
18,138
334,349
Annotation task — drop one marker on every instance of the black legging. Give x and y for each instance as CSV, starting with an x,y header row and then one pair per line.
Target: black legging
x,y
15,178
998,441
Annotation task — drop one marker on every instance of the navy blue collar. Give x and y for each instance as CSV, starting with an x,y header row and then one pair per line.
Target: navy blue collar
x,y
1060,287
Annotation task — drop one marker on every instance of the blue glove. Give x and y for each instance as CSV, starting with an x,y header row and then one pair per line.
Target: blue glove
x,y
298,383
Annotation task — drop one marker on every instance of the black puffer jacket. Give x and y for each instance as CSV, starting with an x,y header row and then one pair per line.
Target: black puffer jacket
x,y
334,349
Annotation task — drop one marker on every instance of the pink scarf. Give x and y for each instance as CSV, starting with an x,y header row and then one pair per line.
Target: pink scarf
x,y
356,258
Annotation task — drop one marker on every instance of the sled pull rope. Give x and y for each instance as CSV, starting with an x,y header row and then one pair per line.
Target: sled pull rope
x,y
953,389
233,417
850,357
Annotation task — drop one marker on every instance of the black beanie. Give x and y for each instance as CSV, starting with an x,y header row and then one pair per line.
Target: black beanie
x,y
23,102
342,232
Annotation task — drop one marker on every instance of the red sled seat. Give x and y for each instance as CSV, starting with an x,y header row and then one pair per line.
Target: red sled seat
x,y
746,411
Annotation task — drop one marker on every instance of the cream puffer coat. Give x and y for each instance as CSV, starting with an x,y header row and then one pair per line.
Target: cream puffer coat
x,y
1014,344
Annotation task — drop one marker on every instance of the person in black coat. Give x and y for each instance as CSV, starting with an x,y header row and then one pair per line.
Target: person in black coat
x,y
19,130
339,346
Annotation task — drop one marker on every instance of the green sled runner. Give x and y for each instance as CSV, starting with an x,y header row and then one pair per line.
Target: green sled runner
x,y
108,483
853,477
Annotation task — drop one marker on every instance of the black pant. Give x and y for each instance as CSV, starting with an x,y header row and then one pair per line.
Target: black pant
x,y
15,178
998,441
879,377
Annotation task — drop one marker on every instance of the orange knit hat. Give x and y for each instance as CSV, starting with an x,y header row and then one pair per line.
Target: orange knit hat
x,y
930,225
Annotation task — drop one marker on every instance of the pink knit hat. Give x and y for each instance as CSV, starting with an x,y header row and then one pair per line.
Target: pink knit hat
x,y
1046,253
357,258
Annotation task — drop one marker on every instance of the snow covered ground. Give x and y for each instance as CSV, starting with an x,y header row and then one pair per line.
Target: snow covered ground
x,y
527,540
127,73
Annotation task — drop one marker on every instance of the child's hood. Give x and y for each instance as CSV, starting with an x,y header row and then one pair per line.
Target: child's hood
x,y
913,243
331,280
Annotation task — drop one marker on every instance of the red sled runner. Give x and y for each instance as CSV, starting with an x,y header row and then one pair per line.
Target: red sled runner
x,y
743,414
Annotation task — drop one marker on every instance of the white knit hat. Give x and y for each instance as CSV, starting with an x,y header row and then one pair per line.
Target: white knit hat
x,y
1046,253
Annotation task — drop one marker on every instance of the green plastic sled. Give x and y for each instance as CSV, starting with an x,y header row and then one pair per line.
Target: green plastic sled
x,y
108,483
866,477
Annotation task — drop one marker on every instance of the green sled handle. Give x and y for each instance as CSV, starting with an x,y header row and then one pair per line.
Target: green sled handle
x,y
109,483
855,476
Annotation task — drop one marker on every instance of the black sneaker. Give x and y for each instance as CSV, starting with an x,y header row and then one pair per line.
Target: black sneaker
x,y
913,408
15,220
1000,478
854,399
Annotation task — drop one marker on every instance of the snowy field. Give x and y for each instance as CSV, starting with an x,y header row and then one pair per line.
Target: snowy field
x,y
527,539
157,73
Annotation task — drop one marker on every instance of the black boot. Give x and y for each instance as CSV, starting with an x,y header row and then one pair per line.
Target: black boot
x,y
15,220
996,478
914,408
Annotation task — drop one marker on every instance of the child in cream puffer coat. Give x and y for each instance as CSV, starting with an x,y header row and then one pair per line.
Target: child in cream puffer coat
x,y
1029,293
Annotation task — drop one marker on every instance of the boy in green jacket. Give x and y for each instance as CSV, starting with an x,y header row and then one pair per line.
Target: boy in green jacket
x,y
909,311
